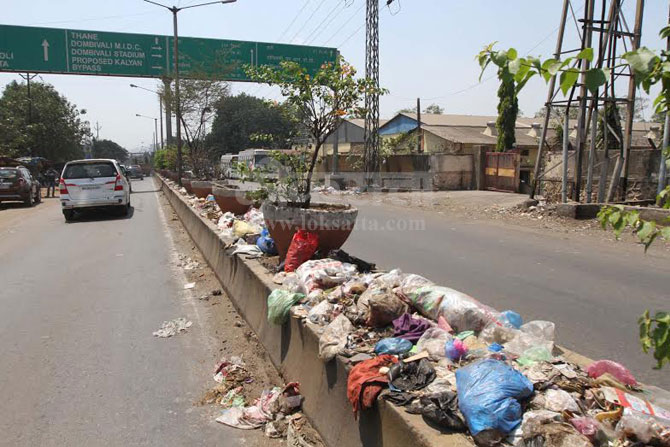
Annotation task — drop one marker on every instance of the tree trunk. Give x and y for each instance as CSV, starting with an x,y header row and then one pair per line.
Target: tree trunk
x,y
308,198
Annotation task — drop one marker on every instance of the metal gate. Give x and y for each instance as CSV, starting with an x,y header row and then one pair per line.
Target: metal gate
x,y
502,171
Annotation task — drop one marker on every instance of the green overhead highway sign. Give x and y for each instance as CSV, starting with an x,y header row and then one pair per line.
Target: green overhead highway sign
x,y
65,51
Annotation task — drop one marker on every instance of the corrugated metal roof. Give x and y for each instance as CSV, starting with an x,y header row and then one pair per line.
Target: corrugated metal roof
x,y
430,119
475,135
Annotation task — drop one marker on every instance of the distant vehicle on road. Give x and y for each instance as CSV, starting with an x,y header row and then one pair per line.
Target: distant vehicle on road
x,y
135,171
227,165
96,183
17,184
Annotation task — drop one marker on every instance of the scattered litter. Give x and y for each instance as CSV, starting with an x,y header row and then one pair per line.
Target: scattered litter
x,y
189,285
365,382
173,327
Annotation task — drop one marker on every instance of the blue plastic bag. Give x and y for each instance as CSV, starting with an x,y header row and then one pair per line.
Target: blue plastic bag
x,y
266,243
488,394
392,346
512,318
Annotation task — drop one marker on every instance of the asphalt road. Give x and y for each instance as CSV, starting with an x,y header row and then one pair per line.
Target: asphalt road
x,y
79,304
593,290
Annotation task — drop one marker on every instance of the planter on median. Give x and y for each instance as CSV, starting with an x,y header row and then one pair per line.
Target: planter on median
x,y
332,223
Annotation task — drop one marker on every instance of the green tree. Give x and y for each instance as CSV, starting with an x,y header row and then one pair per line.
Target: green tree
x,y
434,109
321,100
241,120
109,149
198,100
52,128
508,110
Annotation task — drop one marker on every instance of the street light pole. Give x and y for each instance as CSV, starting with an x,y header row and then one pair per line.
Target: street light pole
x,y
160,108
175,10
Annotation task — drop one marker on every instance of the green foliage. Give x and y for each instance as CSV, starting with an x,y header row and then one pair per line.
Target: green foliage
x,y
283,180
54,129
404,143
434,109
246,122
166,158
508,110
109,149
655,334
319,100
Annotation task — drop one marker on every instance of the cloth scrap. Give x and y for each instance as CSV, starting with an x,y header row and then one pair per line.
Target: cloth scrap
x,y
410,328
365,382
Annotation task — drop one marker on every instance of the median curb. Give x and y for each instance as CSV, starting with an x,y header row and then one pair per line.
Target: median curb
x,y
293,349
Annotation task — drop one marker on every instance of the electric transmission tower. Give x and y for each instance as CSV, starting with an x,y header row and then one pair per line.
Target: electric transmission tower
x,y
371,155
603,27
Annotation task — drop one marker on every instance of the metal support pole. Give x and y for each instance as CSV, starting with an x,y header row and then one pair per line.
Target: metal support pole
x,y
604,167
581,119
621,169
371,155
662,171
666,140
160,114
419,134
167,102
336,150
592,152
566,143
155,134
176,92
552,86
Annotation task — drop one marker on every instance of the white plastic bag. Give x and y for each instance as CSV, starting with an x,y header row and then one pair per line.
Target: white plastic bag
x,y
323,274
334,338
433,341
533,334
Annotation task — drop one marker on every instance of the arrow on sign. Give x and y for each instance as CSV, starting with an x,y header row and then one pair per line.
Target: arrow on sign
x,y
45,45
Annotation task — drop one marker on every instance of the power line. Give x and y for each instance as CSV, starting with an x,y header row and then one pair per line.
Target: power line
x,y
319,28
294,19
307,21
345,24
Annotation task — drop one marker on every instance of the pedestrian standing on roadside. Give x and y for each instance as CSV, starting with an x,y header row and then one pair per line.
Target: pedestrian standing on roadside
x,y
51,175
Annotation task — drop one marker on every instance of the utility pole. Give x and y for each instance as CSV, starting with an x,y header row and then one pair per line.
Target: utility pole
x,y
175,10
419,146
97,130
28,77
167,103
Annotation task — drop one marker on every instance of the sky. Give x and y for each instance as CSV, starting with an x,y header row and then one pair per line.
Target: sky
x,y
427,47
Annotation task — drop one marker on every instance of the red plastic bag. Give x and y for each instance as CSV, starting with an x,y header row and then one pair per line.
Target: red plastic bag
x,y
600,367
302,248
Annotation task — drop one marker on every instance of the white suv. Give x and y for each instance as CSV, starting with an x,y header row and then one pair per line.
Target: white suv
x,y
93,184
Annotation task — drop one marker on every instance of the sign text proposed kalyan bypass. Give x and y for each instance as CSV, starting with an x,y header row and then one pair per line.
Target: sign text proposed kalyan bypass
x,y
53,50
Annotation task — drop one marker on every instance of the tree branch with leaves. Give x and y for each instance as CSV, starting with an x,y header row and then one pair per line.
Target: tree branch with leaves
x,y
321,100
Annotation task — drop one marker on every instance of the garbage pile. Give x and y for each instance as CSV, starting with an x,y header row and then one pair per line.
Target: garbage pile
x,y
462,365
251,237
329,190
276,410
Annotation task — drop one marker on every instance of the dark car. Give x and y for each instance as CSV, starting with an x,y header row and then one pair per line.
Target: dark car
x,y
17,184
136,172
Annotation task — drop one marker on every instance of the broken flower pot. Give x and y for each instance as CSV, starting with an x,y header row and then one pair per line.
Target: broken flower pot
x,y
333,223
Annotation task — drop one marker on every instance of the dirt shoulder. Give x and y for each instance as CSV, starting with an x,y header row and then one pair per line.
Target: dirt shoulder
x,y
229,331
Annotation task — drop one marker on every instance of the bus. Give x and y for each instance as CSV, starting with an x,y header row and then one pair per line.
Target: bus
x,y
227,163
